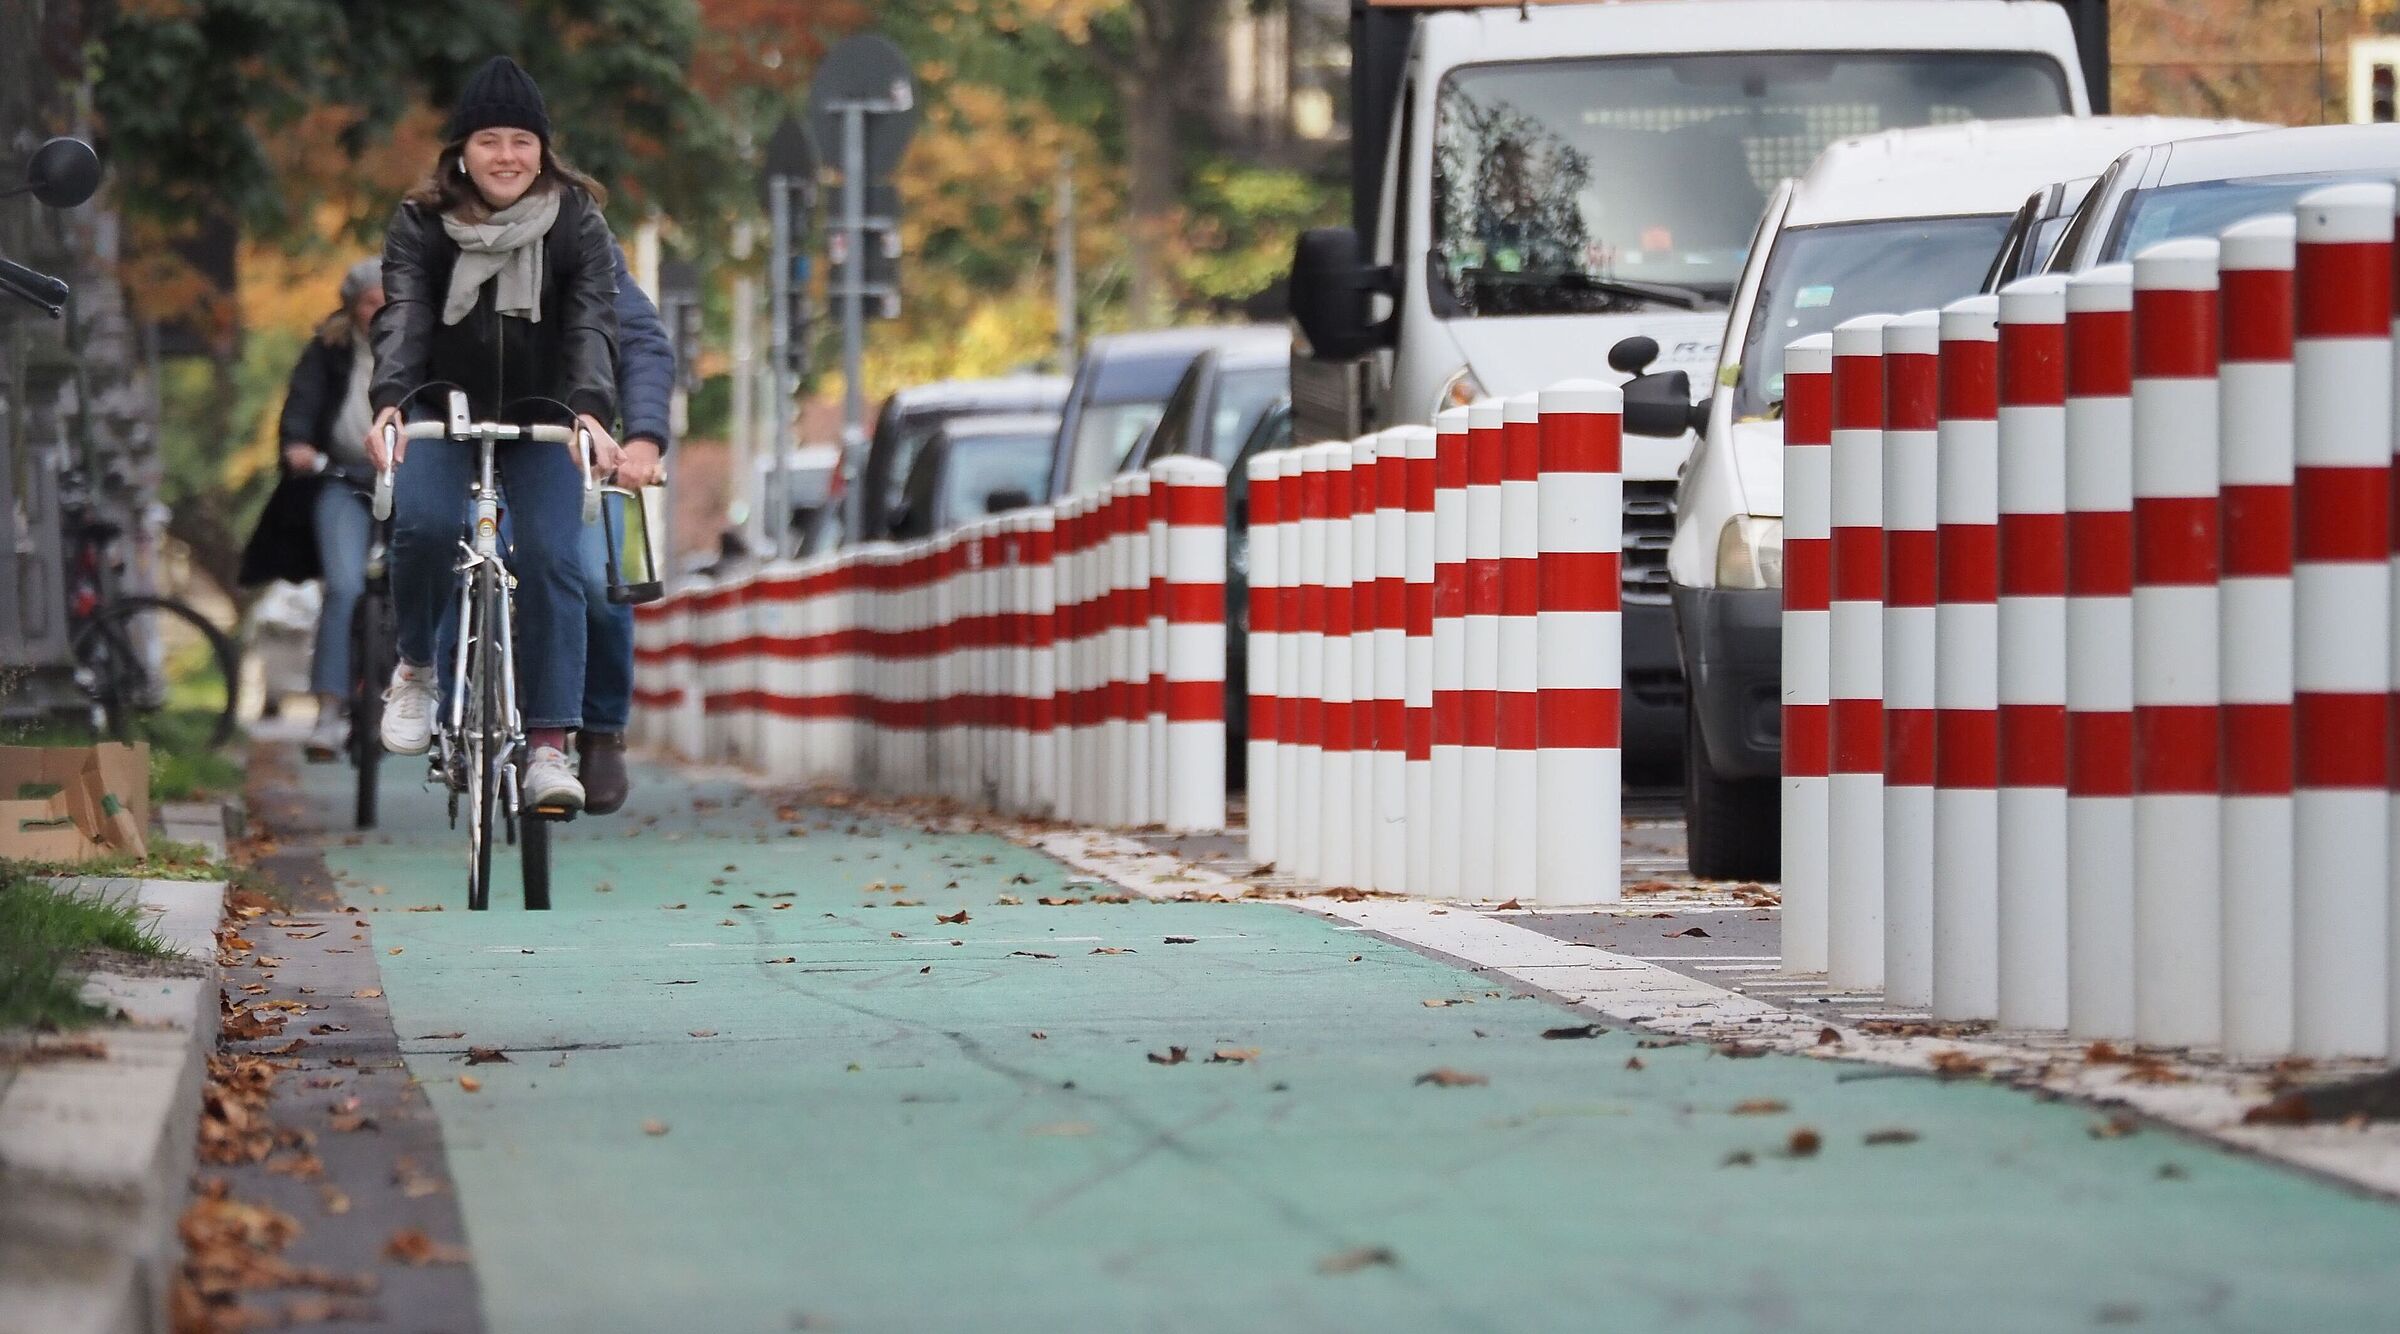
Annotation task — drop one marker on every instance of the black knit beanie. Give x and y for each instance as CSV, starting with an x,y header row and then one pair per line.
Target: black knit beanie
x,y
500,95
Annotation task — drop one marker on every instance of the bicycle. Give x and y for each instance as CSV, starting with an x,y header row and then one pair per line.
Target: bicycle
x,y
150,668
374,652
479,735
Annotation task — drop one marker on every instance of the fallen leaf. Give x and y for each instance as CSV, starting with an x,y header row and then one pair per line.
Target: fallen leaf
x,y
426,907
1233,1056
1573,1031
2291,1109
704,1032
654,1126
1804,1143
1691,932
675,907
788,958
2104,1053
681,982
1030,954
1357,1258
1890,1135
322,1029
410,1246
367,993
1510,905
393,950
470,1084
1760,1107
336,1201
1182,940
350,1122
1951,1061
1828,1036
1174,1056
439,1037
1445,1077
486,1056
1039,1035
958,918
1111,949
1436,1004
1633,1063
1739,1158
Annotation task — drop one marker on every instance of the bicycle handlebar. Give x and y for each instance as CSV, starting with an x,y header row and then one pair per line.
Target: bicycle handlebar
x,y
540,432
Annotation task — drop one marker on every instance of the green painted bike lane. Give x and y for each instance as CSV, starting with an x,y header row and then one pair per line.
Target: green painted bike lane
x,y
893,1123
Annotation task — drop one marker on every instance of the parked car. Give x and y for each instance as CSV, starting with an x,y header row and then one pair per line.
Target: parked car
x,y
909,418
2032,235
1897,221
1121,389
2199,187
1272,431
973,466
1220,400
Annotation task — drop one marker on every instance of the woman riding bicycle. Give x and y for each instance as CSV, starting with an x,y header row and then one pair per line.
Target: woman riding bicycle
x,y
500,278
316,524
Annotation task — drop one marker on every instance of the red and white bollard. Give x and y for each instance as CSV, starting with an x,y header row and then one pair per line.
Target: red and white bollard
x,y
1364,462
2255,410
1288,621
1807,587
2100,652
1066,665
1041,645
1516,827
2027,986
1447,848
1417,449
1479,812
1259,651
1912,381
2177,893
2342,591
1578,626
1305,802
1189,493
1854,829
1391,662
1336,802
1966,810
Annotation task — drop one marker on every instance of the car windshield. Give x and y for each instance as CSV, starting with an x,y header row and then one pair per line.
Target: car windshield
x,y
983,464
2205,208
1105,436
1818,277
1564,187
1243,396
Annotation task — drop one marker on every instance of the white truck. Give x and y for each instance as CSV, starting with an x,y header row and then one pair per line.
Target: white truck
x,y
1535,184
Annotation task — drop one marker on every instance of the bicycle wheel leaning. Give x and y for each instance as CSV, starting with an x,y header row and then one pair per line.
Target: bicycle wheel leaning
x,y
158,671
373,653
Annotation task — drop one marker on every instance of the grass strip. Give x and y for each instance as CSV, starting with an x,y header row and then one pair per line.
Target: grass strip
x,y
43,933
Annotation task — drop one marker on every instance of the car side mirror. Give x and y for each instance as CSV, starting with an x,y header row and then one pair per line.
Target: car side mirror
x,y
1005,499
1331,289
1657,403
63,173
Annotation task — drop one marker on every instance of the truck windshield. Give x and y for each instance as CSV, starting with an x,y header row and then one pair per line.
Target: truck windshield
x,y
1817,277
1579,186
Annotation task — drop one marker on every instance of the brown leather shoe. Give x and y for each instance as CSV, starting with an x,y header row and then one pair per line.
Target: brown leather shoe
x,y
605,785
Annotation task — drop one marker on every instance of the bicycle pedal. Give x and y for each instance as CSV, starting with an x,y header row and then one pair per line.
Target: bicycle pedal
x,y
555,812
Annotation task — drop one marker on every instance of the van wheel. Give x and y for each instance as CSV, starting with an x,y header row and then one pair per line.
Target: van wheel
x,y
1732,827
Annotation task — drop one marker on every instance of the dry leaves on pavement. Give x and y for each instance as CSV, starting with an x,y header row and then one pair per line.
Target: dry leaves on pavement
x,y
1233,1056
1173,1056
958,918
1760,1107
1804,1143
1445,1077
1357,1258
410,1246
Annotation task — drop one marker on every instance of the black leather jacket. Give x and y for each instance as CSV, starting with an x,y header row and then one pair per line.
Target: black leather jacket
x,y
570,354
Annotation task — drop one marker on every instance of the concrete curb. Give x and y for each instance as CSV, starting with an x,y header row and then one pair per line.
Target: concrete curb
x,y
96,1156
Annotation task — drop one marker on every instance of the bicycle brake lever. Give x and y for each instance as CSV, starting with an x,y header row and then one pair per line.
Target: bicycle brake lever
x,y
591,489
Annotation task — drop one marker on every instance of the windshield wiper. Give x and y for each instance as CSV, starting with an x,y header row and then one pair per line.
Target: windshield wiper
x,y
1666,294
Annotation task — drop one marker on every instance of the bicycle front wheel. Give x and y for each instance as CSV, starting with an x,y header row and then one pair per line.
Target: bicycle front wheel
x,y
486,734
160,672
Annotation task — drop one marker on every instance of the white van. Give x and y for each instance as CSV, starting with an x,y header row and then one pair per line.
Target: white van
x,y
1559,177
1893,222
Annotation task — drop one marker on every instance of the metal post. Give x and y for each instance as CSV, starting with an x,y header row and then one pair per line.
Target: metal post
x,y
738,509
779,307
854,274
1064,268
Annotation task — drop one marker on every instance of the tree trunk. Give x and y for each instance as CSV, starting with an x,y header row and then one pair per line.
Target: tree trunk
x,y
1155,89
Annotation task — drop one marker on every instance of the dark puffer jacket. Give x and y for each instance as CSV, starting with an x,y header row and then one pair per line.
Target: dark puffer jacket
x,y
570,354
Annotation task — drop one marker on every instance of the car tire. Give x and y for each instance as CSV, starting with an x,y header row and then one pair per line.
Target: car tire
x,y
1732,827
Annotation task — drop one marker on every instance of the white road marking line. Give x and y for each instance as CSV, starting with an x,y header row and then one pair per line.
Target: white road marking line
x,y
1739,967
1709,958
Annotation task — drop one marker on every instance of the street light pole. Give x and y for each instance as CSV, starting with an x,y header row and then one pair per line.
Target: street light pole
x,y
854,273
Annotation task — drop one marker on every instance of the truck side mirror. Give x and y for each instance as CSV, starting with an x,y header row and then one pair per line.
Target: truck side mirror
x,y
1006,499
1331,284
1657,403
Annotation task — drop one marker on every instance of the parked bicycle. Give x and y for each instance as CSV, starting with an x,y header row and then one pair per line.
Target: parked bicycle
x,y
150,668
479,736
374,651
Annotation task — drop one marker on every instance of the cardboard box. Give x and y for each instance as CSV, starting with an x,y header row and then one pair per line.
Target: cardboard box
x,y
74,803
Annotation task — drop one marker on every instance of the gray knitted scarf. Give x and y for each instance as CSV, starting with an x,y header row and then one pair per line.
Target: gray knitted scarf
x,y
507,245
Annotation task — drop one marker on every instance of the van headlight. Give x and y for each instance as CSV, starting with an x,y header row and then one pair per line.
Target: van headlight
x,y
1750,553
1458,391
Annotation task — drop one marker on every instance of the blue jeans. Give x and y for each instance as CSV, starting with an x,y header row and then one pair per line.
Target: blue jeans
x,y
544,493
608,631
343,529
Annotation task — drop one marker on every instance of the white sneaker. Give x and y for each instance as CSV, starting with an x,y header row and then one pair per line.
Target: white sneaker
x,y
328,738
550,781
408,709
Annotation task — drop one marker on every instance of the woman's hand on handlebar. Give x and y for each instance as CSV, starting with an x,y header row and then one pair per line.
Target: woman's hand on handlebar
x,y
389,417
606,452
